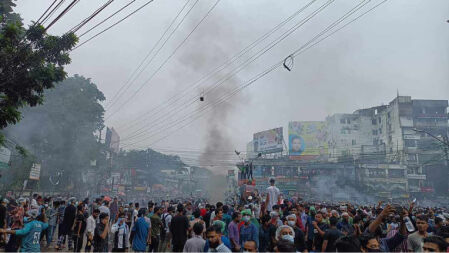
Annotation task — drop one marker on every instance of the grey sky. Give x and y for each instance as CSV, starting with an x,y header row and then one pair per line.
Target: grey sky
x,y
402,45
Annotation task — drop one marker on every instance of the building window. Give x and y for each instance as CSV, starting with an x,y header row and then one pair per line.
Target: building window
x,y
380,130
380,120
342,121
374,121
348,121
374,132
353,143
410,143
342,131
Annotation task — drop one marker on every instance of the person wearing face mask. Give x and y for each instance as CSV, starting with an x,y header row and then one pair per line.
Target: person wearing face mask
x,y
300,244
285,233
248,232
331,236
275,220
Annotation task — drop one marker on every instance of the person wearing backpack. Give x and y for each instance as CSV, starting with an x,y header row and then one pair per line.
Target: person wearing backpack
x,y
165,231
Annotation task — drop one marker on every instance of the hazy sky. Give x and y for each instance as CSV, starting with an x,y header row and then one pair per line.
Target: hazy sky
x,y
402,45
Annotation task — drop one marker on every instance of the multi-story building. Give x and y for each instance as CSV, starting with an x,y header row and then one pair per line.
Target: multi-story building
x,y
397,133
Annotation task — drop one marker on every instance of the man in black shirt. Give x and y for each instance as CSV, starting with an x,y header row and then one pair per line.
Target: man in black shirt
x,y
179,227
331,236
79,228
319,229
67,224
101,234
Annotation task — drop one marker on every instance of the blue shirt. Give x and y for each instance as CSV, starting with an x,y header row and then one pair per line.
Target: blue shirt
x,y
224,240
249,233
141,228
31,235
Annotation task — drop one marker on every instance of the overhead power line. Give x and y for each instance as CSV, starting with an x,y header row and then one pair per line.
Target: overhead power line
x,y
106,19
133,78
95,13
46,18
111,26
166,60
37,22
260,75
67,9
236,70
174,99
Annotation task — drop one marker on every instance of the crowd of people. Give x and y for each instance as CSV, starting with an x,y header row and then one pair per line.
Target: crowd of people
x,y
256,224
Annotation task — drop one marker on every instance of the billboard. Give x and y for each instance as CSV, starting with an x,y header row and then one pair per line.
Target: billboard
x,y
269,141
307,140
112,140
35,171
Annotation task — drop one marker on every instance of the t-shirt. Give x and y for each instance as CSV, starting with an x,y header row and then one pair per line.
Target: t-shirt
x,y
318,239
31,235
141,228
273,194
100,244
178,227
332,236
156,225
80,222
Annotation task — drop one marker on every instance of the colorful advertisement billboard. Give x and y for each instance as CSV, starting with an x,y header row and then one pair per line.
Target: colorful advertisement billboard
x,y
307,140
112,140
269,141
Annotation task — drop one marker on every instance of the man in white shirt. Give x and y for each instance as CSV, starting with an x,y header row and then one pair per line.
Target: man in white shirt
x,y
90,229
273,195
105,208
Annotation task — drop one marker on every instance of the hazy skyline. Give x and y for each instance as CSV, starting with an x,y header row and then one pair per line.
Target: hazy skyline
x,y
400,46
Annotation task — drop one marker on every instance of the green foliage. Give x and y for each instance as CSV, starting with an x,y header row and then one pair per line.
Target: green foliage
x,y
21,150
32,61
61,131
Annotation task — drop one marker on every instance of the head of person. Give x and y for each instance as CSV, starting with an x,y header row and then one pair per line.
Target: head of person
x,y
266,220
221,224
246,216
369,243
136,205
115,200
236,216
213,235
285,232
141,212
219,213
157,210
180,209
422,224
170,210
106,203
80,208
319,218
219,205
333,221
348,244
198,228
334,213
276,208
434,244
250,246
284,246
272,181
96,213
438,222
291,220
225,209
32,214
104,218
196,214
345,217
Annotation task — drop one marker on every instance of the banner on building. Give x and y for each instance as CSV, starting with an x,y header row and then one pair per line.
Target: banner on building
x,y
269,141
112,140
35,171
307,140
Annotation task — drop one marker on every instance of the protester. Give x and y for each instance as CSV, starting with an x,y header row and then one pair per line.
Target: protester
x,y
90,229
142,232
101,234
196,243
179,228
273,195
120,231
156,227
415,240
248,232
79,228
213,235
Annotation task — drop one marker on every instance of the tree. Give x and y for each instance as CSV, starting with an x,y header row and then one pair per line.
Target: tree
x,y
61,132
32,61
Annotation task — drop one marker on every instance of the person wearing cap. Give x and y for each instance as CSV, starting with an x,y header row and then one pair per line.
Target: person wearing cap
x,y
273,195
248,232
344,225
31,232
